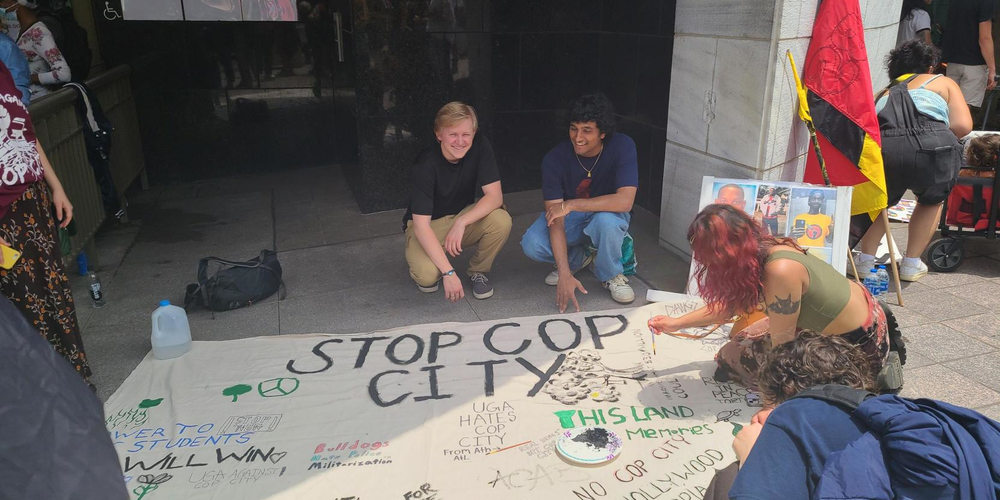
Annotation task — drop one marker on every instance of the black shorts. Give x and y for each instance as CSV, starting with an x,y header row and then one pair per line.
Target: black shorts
x,y
928,196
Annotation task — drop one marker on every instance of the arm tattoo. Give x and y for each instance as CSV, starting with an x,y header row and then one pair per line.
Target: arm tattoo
x,y
784,306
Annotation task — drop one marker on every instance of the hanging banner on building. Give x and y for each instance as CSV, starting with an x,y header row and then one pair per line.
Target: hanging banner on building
x,y
145,10
204,10
444,411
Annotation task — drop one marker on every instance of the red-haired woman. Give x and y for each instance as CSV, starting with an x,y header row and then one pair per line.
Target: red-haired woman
x,y
744,269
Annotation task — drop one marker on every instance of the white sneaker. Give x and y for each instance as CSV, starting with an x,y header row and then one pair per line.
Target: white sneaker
x,y
553,278
429,289
911,272
621,291
864,265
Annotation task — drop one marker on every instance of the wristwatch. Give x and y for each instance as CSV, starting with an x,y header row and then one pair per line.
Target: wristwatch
x,y
449,273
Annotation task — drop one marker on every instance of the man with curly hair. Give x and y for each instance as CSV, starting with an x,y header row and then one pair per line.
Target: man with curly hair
x,y
787,455
589,184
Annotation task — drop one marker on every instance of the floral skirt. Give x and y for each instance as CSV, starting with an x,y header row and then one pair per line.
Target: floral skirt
x,y
741,357
37,284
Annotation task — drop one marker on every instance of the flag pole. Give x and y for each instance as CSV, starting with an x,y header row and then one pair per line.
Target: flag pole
x,y
814,138
884,215
819,154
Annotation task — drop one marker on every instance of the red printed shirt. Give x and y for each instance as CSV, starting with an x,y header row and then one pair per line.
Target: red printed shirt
x,y
20,165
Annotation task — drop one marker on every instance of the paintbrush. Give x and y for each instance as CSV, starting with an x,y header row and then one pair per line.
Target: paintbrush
x,y
509,447
652,332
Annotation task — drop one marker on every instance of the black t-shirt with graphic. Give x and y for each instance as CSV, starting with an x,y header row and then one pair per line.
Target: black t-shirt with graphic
x,y
442,188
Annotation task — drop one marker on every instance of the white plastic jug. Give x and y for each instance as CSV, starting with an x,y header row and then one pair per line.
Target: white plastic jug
x,y
171,332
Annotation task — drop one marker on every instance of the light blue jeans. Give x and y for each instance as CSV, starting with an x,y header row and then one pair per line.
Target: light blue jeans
x,y
605,230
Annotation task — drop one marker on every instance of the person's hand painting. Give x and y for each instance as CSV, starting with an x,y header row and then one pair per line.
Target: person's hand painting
x,y
566,292
664,324
745,440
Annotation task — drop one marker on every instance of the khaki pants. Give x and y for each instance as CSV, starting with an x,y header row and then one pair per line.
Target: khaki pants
x,y
972,81
490,233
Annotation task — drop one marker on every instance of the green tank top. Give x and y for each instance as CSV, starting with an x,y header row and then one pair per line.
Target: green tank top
x,y
828,293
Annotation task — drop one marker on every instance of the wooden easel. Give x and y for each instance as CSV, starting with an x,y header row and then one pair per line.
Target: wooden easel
x,y
884,215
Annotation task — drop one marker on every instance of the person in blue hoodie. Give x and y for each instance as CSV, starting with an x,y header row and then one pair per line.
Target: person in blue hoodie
x,y
830,437
12,57
782,454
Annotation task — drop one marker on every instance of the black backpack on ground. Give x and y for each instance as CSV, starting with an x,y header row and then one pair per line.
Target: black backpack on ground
x,y
235,284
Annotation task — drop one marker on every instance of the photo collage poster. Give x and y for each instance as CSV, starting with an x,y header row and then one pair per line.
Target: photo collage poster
x,y
210,10
816,217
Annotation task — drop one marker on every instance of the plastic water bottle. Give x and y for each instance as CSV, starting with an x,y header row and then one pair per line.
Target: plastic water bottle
x,y
871,282
171,332
81,264
883,282
96,292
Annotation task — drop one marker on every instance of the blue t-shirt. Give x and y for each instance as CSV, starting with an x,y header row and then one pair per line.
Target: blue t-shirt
x,y
790,453
563,177
12,57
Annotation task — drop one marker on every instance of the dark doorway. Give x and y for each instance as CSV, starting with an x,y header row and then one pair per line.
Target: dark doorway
x,y
218,98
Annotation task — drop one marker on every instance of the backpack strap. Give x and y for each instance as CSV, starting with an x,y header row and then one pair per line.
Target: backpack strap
x,y
840,395
905,82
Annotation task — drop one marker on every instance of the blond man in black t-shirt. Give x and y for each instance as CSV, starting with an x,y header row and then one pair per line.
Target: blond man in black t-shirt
x,y
444,216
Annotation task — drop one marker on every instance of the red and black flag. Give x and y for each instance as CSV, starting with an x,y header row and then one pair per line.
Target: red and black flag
x,y
836,102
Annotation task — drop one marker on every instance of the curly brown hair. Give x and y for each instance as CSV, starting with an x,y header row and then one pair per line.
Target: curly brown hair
x,y
983,151
812,359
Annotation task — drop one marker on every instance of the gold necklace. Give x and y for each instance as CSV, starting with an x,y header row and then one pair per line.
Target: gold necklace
x,y
595,162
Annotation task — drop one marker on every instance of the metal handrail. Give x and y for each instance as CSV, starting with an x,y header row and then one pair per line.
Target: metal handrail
x,y
61,134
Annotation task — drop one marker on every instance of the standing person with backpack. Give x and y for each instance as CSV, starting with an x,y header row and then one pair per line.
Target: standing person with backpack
x,y
46,63
921,117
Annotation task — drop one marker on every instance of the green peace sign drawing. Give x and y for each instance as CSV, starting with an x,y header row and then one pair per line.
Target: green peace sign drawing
x,y
278,387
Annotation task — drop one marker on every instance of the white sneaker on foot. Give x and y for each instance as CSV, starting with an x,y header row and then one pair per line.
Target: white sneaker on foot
x,y
620,290
863,264
429,289
908,272
553,278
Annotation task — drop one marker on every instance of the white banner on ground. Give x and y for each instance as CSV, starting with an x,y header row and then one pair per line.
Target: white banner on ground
x,y
420,412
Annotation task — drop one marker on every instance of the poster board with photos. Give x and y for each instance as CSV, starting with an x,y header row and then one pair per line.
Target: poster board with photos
x,y
818,217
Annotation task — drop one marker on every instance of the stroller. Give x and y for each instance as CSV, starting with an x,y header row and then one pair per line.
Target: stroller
x,y
969,212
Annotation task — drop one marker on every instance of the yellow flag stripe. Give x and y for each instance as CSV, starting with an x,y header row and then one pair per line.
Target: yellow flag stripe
x,y
870,196
800,89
